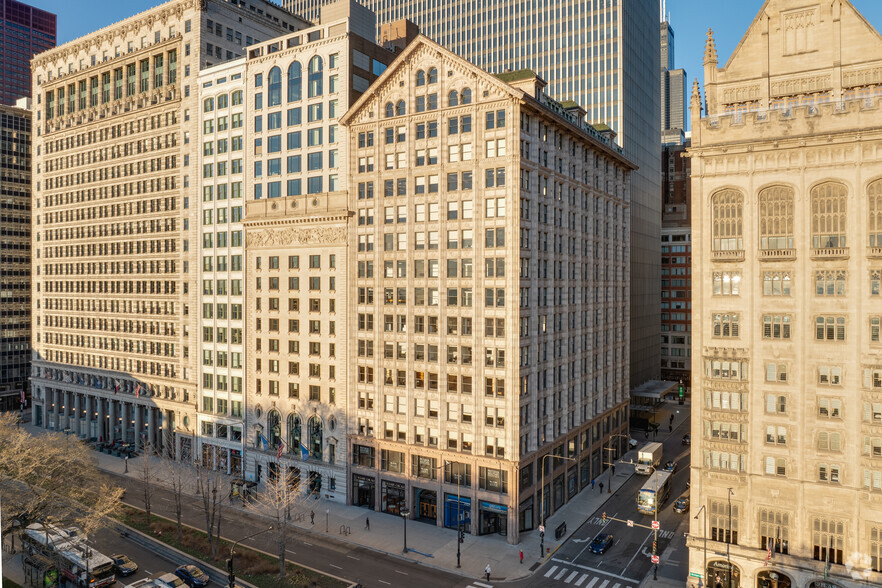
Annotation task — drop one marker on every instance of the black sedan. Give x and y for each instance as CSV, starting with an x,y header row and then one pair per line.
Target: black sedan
x,y
601,543
123,565
670,466
681,505
192,576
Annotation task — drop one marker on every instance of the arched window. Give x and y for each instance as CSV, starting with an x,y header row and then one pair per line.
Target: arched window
x,y
208,105
453,98
275,87
874,212
433,75
315,77
295,82
401,108
274,428
728,220
465,96
421,78
390,110
776,218
828,216
315,437
294,433
237,97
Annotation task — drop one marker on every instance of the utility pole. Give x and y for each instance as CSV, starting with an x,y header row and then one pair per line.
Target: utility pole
x,y
704,570
542,500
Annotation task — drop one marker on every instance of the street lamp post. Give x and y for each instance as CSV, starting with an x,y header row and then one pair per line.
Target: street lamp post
x,y
609,462
230,575
729,541
542,500
704,570
404,514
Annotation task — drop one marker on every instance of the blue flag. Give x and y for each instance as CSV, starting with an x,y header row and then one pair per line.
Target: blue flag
x,y
264,441
304,452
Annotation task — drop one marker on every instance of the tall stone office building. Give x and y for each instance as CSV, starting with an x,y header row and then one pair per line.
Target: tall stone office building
x,y
488,295
15,253
299,333
604,56
787,193
115,229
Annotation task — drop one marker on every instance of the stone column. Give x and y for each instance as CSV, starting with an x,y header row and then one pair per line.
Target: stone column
x,y
102,419
125,422
139,424
78,415
151,427
112,421
56,407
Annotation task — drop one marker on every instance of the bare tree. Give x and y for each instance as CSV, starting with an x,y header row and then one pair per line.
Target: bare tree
x,y
177,472
210,485
52,476
145,475
278,496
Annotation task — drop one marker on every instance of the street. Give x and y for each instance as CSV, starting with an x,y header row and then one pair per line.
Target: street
x,y
321,552
627,562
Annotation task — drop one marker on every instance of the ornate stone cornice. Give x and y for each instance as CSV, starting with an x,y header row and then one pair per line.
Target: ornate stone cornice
x,y
275,237
93,41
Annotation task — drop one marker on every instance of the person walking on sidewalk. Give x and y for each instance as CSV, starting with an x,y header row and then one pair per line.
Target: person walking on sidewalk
x,y
367,524
487,572
592,484
522,557
312,517
601,487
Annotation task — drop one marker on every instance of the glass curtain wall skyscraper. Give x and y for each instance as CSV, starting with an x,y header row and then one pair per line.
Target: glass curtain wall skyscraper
x,y
24,32
603,55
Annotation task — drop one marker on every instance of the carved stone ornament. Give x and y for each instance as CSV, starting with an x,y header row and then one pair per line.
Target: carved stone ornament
x,y
295,236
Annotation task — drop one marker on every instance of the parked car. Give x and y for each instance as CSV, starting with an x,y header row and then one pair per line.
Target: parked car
x,y
670,466
123,565
601,543
687,439
682,505
192,576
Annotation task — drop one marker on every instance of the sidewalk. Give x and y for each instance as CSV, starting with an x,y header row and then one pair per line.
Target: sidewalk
x,y
429,545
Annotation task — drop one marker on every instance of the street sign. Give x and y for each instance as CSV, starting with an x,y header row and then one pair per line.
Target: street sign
x,y
630,523
694,575
655,525
541,528
655,559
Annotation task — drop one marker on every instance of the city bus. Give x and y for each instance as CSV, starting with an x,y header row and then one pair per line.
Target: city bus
x,y
654,493
77,563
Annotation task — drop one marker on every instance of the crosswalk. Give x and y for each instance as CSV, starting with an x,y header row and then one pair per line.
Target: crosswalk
x,y
476,584
580,579
661,534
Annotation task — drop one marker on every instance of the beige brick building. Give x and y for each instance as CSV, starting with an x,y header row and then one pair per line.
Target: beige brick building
x,y
115,218
488,290
787,419
297,221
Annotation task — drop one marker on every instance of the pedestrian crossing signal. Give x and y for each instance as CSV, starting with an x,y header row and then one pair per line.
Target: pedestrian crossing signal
x,y
604,518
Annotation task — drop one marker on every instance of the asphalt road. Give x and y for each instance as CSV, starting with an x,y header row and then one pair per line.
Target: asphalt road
x,y
357,564
108,542
627,562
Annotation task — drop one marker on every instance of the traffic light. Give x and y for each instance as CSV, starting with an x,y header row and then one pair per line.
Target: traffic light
x,y
230,565
461,535
654,545
604,518
681,389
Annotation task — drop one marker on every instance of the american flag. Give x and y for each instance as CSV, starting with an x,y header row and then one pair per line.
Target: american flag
x,y
769,552
279,450
137,390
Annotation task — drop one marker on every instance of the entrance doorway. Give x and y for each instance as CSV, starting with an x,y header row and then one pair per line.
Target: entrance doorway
x,y
363,491
427,505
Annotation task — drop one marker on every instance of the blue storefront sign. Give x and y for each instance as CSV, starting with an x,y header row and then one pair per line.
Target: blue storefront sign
x,y
454,507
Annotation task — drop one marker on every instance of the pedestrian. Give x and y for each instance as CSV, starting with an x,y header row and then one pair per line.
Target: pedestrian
x,y
592,484
671,419
601,487
367,524
312,517
670,428
522,557
487,572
